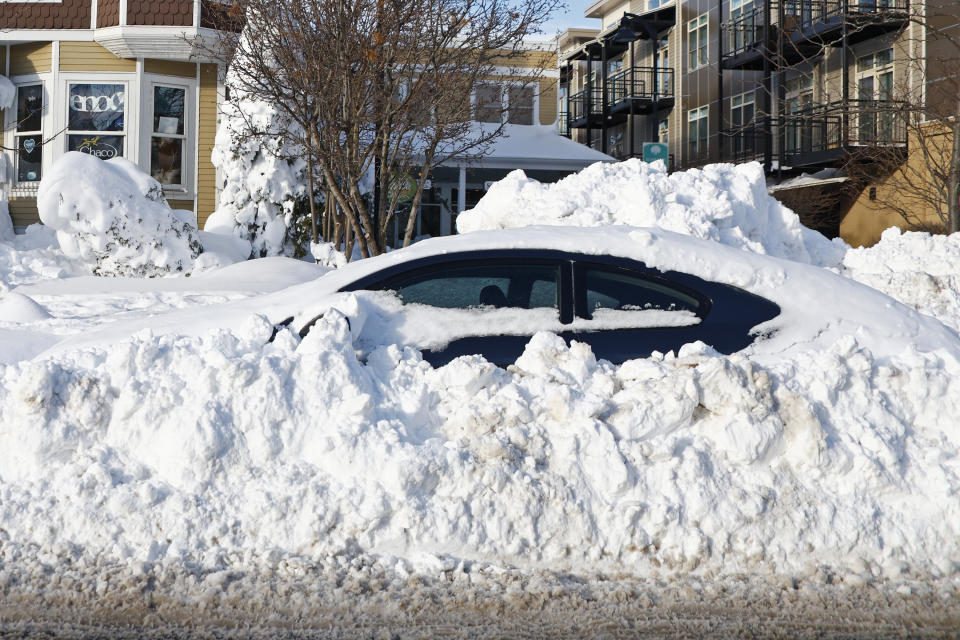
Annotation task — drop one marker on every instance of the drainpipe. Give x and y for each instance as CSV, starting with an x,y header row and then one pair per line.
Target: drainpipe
x,y
603,97
845,107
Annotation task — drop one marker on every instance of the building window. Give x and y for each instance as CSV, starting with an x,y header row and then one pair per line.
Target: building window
x,y
488,103
168,136
742,109
875,86
520,105
654,4
697,38
28,132
698,121
663,131
95,119
492,101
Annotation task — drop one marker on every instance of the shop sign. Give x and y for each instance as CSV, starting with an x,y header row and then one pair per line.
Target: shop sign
x,y
103,147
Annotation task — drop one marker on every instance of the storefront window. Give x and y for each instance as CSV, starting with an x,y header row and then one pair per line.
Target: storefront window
x,y
95,119
28,132
167,138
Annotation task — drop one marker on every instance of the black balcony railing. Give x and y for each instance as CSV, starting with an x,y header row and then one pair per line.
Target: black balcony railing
x,y
744,32
808,12
639,83
563,123
586,105
821,135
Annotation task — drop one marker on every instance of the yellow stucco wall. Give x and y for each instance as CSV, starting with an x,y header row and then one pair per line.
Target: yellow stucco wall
x,y
170,68
548,101
23,211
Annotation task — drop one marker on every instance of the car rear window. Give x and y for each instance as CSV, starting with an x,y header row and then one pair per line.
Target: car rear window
x,y
522,286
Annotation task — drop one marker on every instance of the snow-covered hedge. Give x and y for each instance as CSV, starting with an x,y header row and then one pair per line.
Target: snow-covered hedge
x,y
113,217
264,196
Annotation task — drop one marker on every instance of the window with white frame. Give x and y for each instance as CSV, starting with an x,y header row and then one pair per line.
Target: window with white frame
x,y
697,38
28,132
96,118
488,102
698,121
491,101
663,131
742,110
168,137
745,29
875,86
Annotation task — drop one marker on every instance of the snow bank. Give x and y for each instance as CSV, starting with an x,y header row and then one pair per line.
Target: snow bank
x,y
919,269
726,203
112,216
827,462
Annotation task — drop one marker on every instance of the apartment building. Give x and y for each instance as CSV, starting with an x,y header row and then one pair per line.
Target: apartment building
x,y
798,85
113,78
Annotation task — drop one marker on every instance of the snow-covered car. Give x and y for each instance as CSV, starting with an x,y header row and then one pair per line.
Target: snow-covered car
x,y
491,302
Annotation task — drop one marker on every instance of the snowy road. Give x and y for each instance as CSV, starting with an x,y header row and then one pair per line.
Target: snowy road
x,y
371,605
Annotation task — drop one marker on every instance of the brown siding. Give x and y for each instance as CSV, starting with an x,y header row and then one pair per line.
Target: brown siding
x,y
170,68
68,14
207,131
108,13
34,57
181,204
90,56
23,211
171,13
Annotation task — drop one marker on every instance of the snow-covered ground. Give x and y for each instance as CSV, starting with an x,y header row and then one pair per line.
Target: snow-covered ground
x,y
829,461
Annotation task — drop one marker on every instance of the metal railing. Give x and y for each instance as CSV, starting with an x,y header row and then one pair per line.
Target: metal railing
x,y
744,32
748,142
646,83
563,123
586,103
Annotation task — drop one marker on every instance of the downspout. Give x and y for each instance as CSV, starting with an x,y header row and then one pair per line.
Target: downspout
x,y
603,96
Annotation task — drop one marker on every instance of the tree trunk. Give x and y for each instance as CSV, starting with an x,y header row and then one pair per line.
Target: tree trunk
x,y
313,206
953,186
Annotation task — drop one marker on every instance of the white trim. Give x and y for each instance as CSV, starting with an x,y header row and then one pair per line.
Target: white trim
x,y
196,13
196,147
123,13
696,29
16,36
167,43
93,14
184,190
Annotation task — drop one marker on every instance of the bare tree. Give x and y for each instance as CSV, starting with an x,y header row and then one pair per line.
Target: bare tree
x,y
380,91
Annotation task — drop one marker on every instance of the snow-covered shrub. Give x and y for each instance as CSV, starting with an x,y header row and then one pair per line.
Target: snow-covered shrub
x,y
264,196
112,216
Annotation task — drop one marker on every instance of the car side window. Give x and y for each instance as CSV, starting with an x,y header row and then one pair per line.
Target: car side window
x,y
461,286
626,290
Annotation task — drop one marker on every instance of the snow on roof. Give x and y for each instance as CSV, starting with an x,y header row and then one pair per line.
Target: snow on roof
x,y
535,147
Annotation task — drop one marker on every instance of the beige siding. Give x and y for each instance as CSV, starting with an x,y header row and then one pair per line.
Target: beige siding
x,y
170,68
206,173
23,211
548,101
90,56
34,57
3,70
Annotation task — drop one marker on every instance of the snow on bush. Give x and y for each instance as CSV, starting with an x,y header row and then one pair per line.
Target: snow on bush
x,y
722,202
113,217
8,93
919,269
265,188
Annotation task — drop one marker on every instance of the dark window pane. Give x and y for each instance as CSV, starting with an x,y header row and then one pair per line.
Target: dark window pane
x,y
29,156
103,147
487,104
618,289
168,109
521,105
29,107
96,107
166,160
502,285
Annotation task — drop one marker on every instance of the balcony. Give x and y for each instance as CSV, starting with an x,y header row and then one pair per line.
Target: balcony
x,y
638,90
821,22
799,29
749,142
822,136
586,108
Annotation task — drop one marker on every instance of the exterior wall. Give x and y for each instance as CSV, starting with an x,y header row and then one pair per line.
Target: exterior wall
x,y
108,13
548,101
35,57
206,172
166,12
23,211
66,14
170,68
90,56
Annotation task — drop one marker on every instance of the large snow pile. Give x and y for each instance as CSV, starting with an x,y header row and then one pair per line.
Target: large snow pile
x,y
722,202
918,269
113,217
831,462
265,188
